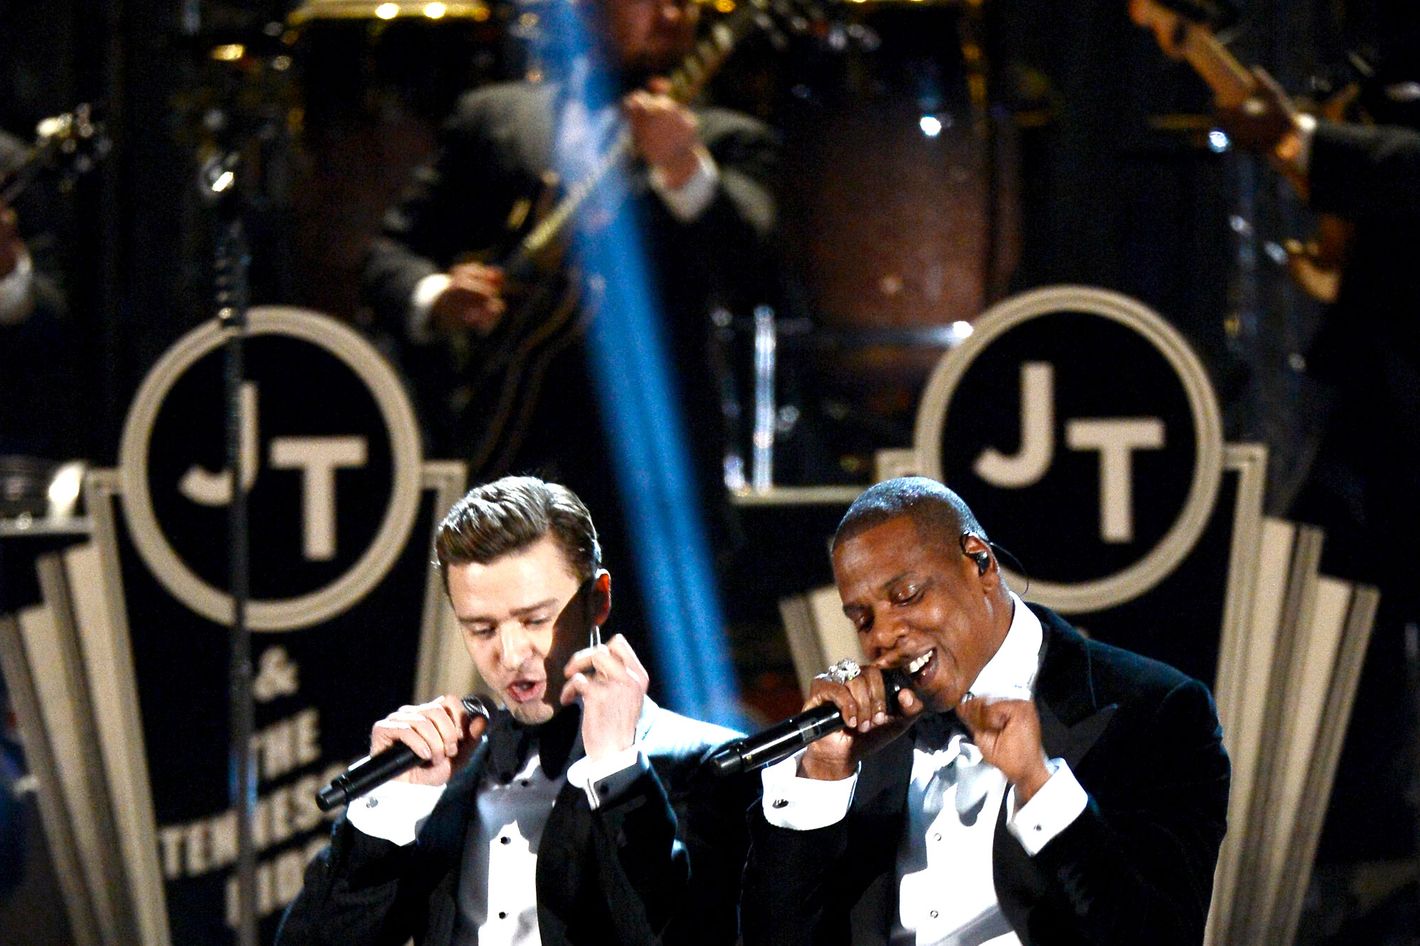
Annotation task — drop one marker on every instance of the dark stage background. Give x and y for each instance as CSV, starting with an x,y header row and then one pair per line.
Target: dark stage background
x,y
1085,157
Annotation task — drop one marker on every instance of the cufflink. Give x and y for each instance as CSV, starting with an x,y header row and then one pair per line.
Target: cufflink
x,y
779,803
371,802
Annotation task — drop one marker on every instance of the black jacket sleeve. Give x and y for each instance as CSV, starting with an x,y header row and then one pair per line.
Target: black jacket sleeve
x,y
1137,864
356,893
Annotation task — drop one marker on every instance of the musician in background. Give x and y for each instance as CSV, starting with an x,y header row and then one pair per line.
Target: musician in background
x,y
16,266
37,396
699,199
1364,488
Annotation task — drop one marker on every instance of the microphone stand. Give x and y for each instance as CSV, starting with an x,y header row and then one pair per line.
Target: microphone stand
x,y
231,266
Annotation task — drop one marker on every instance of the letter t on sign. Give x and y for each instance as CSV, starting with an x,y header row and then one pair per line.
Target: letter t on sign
x,y
1116,440
318,458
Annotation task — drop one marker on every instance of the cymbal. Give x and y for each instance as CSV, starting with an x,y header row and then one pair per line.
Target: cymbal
x,y
435,10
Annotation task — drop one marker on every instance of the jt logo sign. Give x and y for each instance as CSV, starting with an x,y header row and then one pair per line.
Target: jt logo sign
x,y
317,459
1081,425
329,457
1114,439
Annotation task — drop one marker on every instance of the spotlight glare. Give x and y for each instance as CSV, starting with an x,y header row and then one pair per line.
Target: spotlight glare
x,y
64,488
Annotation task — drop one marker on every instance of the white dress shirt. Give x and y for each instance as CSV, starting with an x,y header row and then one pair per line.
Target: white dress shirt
x,y
947,840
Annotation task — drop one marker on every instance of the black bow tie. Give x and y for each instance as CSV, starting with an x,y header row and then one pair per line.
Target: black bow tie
x,y
510,743
935,730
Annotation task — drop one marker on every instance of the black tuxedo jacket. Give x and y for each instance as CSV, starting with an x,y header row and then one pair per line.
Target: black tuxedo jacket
x,y
493,156
1135,867
660,864
495,151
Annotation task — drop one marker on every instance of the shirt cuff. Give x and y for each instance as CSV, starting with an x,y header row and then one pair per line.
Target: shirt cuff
x,y
394,811
15,301
1050,810
607,779
421,332
689,201
804,804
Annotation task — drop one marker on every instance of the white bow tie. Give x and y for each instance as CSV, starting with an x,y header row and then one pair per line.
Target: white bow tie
x,y
974,780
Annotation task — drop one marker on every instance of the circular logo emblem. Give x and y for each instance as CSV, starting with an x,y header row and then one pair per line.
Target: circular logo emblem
x,y
330,461
1086,436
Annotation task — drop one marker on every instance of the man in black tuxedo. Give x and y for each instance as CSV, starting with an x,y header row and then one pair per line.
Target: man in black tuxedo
x,y
1032,787
576,814
699,202
504,375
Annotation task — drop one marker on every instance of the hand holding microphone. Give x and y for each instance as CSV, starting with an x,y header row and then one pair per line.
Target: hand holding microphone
x,y
876,707
851,712
421,745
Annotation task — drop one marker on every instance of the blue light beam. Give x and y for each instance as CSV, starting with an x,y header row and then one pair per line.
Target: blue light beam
x,y
644,426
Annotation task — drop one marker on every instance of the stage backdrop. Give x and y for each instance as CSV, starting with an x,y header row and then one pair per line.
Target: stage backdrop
x,y
130,649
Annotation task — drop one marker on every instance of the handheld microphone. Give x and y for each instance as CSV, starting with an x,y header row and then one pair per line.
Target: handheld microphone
x,y
784,739
373,771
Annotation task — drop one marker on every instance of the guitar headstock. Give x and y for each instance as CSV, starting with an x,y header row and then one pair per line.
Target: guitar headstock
x,y
1168,19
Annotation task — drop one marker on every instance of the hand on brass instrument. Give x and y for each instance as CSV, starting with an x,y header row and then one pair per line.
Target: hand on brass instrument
x,y
472,300
666,133
11,246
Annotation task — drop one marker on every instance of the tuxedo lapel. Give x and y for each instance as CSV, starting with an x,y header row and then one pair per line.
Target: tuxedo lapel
x,y
443,836
561,857
1071,723
441,844
879,812
1071,719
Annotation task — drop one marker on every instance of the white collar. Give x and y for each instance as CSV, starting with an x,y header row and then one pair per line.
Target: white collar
x,y
1011,670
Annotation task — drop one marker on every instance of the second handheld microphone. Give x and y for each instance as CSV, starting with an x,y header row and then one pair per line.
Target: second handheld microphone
x,y
784,739
375,770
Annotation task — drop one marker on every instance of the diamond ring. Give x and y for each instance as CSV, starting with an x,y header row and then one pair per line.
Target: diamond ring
x,y
843,671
